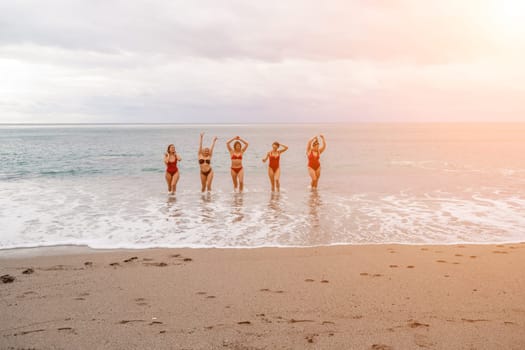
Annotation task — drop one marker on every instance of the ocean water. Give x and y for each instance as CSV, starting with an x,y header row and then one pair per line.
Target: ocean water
x,y
103,186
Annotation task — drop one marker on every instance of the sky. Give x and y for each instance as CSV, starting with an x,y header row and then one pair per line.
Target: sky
x,y
208,61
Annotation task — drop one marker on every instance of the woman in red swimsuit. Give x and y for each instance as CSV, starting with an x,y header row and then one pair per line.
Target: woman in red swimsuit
x,y
172,172
274,171
313,152
236,153
204,163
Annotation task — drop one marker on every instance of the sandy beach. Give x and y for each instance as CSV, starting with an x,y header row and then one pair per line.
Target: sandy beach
x,y
342,297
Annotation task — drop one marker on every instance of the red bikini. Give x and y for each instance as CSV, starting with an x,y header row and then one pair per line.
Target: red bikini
x,y
313,161
274,162
234,156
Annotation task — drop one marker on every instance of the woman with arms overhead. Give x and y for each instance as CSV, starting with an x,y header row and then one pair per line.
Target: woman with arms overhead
x,y
205,164
313,152
236,154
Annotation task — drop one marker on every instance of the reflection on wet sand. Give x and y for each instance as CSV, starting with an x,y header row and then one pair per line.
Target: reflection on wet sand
x,y
275,203
314,204
206,209
237,207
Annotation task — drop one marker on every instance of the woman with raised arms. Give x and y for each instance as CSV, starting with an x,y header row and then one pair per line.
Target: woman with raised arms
x,y
313,152
274,170
172,171
204,163
236,154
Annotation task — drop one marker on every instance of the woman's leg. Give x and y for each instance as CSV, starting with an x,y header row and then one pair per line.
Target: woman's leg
x,y
174,180
271,175
318,175
313,176
209,180
203,182
234,179
168,180
277,177
241,179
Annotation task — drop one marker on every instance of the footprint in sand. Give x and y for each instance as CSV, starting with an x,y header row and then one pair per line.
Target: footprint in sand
x,y
131,259
29,332
473,320
441,261
28,271
293,320
7,279
114,264
381,347
175,256
458,254
141,302
158,264
244,322
363,274
187,259
65,329
410,266
424,249
393,266
130,321
499,252
311,337
473,256
88,264
201,293
264,290
211,297
309,280
415,324
325,281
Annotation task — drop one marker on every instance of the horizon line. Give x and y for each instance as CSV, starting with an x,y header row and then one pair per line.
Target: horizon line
x,y
271,123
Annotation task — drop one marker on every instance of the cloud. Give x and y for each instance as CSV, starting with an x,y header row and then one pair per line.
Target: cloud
x,y
296,29
238,61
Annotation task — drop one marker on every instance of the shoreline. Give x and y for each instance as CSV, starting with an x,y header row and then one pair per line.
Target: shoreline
x,y
73,249
338,297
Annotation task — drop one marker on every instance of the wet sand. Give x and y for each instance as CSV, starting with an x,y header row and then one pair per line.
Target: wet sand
x,y
344,297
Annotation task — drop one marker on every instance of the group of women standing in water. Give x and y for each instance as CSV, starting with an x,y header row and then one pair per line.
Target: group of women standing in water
x,y
313,153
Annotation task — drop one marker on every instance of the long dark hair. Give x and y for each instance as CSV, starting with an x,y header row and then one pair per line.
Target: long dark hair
x,y
168,149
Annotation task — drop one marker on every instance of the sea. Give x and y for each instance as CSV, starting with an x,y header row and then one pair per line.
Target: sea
x,y
409,183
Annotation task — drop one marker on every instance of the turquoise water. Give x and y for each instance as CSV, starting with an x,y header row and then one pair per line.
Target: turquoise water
x,y
103,186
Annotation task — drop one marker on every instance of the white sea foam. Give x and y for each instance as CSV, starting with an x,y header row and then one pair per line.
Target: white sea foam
x,y
103,187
